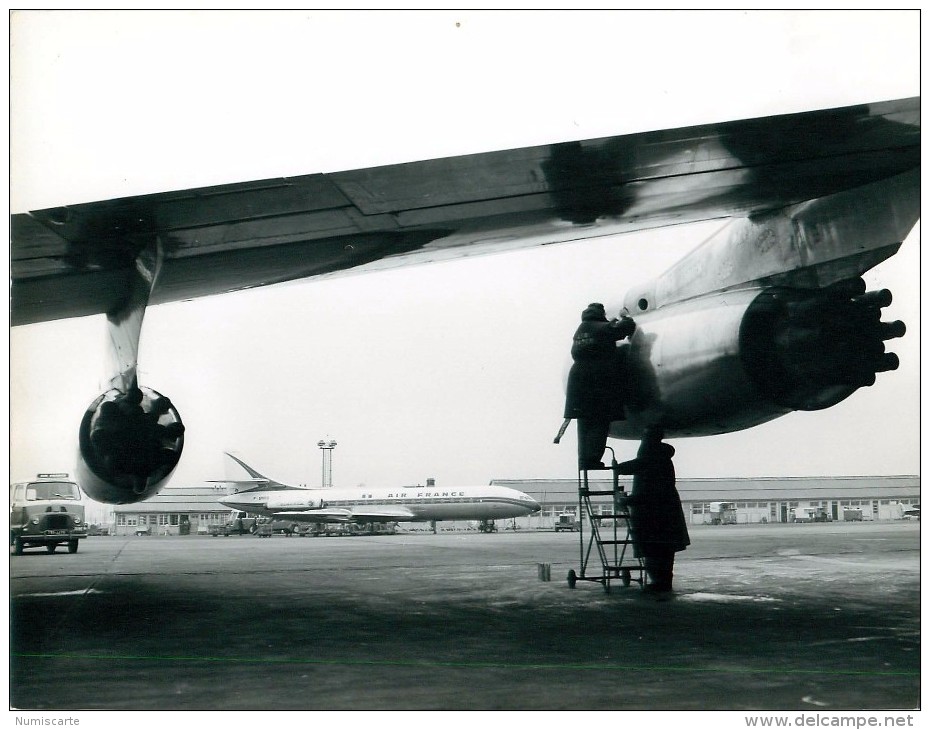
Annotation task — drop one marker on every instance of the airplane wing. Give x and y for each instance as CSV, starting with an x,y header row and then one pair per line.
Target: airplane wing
x,y
316,515
381,514
78,260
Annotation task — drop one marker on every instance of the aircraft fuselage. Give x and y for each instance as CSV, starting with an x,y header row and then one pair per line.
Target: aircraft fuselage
x,y
404,504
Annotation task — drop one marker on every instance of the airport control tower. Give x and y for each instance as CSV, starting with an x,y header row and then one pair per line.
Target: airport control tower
x,y
327,448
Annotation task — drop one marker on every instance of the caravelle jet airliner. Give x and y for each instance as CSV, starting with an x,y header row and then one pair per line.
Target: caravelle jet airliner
x,y
264,496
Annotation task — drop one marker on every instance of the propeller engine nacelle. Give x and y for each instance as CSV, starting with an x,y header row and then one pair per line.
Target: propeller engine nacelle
x,y
736,359
129,444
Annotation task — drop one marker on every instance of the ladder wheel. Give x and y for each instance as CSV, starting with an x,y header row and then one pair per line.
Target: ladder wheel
x,y
625,577
572,579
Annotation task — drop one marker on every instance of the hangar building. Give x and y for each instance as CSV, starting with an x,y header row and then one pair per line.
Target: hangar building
x,y
756,500
174,511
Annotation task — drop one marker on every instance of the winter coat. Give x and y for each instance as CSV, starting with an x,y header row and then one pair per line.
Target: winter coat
x,y
657,523
595,381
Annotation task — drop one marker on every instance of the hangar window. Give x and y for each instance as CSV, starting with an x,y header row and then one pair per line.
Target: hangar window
x,y
173,519
120,519
162,519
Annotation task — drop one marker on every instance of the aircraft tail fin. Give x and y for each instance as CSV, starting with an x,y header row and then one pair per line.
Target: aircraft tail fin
x,y
249,470
258,482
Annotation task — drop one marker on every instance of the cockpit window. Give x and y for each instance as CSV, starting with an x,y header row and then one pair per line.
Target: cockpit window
x,y
39,491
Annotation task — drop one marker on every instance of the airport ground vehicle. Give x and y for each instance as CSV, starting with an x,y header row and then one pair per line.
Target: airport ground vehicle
x,y
810,514
46,512
240,524
269,528
486,526
723,513
566,521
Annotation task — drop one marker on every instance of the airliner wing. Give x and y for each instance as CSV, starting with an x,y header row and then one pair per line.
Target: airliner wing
x,y
316,515
77,260
382,514
354,514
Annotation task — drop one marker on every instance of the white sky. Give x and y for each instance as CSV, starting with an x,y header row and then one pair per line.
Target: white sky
x,y
453,371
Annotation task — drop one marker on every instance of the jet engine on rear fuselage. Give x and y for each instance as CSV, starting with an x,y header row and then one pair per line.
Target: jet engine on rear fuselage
x,y
129,444
735,359
294,503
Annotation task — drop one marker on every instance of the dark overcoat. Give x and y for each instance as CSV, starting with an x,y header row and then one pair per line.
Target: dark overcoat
x,y
595,381
657,523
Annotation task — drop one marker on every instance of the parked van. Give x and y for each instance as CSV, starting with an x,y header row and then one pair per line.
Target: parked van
x,y
46,512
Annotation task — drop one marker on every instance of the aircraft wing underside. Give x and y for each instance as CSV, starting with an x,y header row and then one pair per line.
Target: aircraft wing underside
x,y
384,514
77,260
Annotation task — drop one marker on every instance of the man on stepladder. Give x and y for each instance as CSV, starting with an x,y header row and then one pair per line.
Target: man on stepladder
x,y
594,395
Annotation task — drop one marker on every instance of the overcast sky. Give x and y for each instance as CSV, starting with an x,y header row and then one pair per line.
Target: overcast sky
x,y
456,370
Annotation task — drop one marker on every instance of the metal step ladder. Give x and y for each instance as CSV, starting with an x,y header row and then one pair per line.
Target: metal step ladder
x,y
609,534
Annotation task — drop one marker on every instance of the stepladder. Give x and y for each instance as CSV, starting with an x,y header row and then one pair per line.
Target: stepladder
x,y
606,553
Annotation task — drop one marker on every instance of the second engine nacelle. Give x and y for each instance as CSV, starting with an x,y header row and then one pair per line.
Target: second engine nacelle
x,y
736,359
129,444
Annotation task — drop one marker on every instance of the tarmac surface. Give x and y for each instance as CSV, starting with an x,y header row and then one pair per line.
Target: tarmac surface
x,y
811,617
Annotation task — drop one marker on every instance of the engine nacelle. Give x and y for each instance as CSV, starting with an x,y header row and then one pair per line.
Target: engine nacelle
x,y
129,444
736,359
294,503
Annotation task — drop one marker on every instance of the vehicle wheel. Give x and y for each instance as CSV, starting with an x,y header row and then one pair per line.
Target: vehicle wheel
x,y
72,546
572,579
51,547
625,578
18,546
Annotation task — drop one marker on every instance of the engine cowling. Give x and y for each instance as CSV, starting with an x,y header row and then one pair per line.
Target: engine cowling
x,y
736,359
295,503
129,444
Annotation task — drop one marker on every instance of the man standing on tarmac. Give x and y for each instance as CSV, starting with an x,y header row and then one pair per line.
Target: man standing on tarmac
x,y
594,395
657,524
